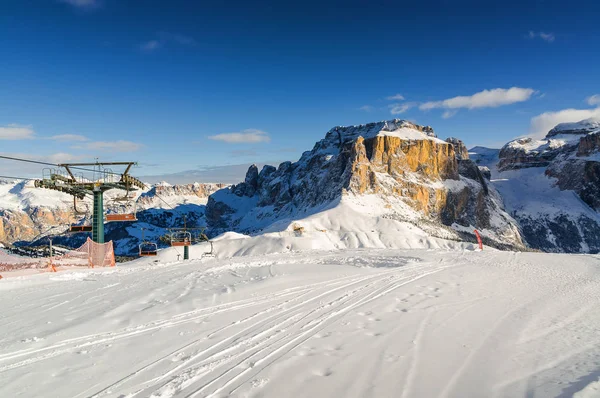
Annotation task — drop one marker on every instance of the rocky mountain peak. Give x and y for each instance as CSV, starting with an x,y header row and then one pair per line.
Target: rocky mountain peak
x,y
399,162
460,149
587,126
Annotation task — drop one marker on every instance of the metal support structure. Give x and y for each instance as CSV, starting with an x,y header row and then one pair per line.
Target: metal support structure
x,y
103,179
98,217
186,253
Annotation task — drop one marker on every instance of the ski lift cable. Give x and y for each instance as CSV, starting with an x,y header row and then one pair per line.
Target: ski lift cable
x,y
18,178
52,164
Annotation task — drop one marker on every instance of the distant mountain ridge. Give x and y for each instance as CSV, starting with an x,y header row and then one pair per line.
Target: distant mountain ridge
x,y
373,185
27,213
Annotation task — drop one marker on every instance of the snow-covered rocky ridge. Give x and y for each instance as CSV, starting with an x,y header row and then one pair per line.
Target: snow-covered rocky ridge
x,y
26,213
552,186
392,171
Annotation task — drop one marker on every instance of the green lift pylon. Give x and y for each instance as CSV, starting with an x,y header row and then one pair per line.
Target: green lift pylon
x,y
98,217
103,179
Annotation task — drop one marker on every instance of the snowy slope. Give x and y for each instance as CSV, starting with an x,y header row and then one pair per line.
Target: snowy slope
x,y
354,323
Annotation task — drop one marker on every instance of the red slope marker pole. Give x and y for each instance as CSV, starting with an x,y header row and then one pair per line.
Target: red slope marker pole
x,y
479,240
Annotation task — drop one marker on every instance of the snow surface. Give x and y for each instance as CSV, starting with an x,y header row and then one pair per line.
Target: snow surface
x,y
353,323
408,133
530,192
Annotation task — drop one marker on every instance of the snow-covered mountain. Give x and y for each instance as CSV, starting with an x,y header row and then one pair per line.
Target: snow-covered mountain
x,y
27,214
359,178
385,184
552,186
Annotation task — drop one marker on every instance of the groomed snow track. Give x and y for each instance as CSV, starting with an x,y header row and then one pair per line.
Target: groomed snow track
x,y
353,324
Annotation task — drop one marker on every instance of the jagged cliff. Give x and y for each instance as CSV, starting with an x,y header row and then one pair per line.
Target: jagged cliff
x,y
417,177
552,187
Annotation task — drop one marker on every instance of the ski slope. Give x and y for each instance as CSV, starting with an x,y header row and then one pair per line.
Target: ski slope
x,y
352,323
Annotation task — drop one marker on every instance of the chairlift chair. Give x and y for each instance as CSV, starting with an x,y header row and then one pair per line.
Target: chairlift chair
x,y
79,228
122,216
182,238
148,249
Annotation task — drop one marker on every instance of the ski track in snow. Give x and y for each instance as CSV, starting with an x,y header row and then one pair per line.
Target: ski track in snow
x,y
358,323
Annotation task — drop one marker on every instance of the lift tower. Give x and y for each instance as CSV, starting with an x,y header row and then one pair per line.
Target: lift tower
x,y
69,178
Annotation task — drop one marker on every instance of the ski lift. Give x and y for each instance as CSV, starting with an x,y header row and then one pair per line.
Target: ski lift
x,y
123,216
79,228
147,249
211,253
76,210
181,238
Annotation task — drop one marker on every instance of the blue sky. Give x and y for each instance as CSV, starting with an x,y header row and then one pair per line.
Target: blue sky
x,y
166,83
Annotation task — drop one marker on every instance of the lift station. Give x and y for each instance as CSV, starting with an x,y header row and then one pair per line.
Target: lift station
x,y
68,178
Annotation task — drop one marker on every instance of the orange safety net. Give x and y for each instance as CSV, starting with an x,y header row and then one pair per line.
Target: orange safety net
x,y
90,254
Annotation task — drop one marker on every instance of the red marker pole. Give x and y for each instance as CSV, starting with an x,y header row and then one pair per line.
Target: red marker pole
x,y
479,240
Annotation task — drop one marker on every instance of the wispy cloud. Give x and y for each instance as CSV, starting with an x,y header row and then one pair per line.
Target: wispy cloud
x,y
548,37
483,99
366,108
541,124
110,146
397,109
68,137
151,45
165,38
448,114
396,97
242,137
14,132
593,100
82,4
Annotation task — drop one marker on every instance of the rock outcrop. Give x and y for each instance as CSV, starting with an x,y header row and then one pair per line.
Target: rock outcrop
x,y
460,149
394,159
569,156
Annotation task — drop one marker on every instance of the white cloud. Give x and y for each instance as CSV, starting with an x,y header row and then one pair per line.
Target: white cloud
x,y
549,37
82,3
15,132
68,137
541,124
593,100
244,136
448,114
397,109
483,99
366,108
165,38
110,146
397,97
